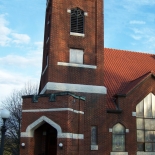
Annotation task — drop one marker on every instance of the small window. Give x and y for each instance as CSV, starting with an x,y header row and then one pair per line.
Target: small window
x,y
77,20
118,138
76,56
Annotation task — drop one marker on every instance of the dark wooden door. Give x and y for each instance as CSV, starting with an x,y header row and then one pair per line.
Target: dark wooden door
x,y
51,142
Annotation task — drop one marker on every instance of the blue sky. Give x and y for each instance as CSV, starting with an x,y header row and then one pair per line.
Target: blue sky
x,y
128,24
21,43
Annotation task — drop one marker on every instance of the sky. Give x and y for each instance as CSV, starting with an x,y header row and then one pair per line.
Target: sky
x,y
21,43
128,25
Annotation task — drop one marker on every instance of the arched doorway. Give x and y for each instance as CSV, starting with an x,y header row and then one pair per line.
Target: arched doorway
x,y
45,140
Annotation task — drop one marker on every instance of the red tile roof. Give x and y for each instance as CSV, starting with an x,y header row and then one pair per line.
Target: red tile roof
x,y
123,70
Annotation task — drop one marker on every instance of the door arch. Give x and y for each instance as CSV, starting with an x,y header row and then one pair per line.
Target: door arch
x,y
45,139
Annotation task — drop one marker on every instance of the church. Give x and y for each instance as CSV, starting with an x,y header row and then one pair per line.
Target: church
x,y
92,100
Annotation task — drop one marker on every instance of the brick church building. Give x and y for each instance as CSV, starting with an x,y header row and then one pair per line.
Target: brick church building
x,y
92,100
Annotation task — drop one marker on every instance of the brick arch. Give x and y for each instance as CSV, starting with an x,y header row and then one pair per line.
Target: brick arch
x,y
33,126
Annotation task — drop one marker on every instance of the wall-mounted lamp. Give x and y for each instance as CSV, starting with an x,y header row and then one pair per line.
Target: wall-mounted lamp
x,y
23,144
60,145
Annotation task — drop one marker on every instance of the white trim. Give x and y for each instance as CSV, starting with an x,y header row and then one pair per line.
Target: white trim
x,y
44,70
76,65
60,135
134,114
47,40
94,147
54,109
78,136
68,10
145,153
118,153
127,130
74,88
86,13
77,34
110,129
71,135
46,65
31,128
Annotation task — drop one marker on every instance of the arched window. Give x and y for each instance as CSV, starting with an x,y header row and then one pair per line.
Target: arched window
x,y
77,20
118,138
145,113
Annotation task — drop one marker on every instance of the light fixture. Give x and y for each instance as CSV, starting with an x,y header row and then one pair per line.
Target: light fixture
x,y
23,144
61,145
5,114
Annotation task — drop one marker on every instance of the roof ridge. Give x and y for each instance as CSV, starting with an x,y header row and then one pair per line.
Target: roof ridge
x,y
124,50
133,84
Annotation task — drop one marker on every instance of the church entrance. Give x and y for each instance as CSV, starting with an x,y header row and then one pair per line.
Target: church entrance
x,y
45,140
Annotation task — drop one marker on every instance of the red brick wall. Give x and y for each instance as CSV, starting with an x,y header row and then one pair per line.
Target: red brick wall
x,y
128,105
94,110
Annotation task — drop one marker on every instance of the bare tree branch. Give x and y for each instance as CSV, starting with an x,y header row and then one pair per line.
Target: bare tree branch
x,y
13,103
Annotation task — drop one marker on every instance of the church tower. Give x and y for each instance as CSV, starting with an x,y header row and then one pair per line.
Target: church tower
x,y
67,116
73,45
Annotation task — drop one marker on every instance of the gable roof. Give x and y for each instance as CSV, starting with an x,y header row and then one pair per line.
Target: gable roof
x,y
123,70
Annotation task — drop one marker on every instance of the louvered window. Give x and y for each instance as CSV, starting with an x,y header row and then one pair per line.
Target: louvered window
x,y
77,20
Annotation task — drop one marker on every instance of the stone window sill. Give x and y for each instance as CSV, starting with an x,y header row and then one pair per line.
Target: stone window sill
x,y
118,153
94,147
77,65
77,34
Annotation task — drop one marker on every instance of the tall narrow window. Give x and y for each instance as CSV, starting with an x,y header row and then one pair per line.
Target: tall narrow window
x,y
118,138
94,135
145,113
77,20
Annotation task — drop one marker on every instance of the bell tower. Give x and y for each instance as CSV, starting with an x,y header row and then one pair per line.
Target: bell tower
x,y
73,46
68,115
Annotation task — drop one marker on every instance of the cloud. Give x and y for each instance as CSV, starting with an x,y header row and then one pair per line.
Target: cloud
x,y
10,81
31,58
4,31
136,37
136,22
140,3
8,36
20,38
16,70
17,60
144,2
